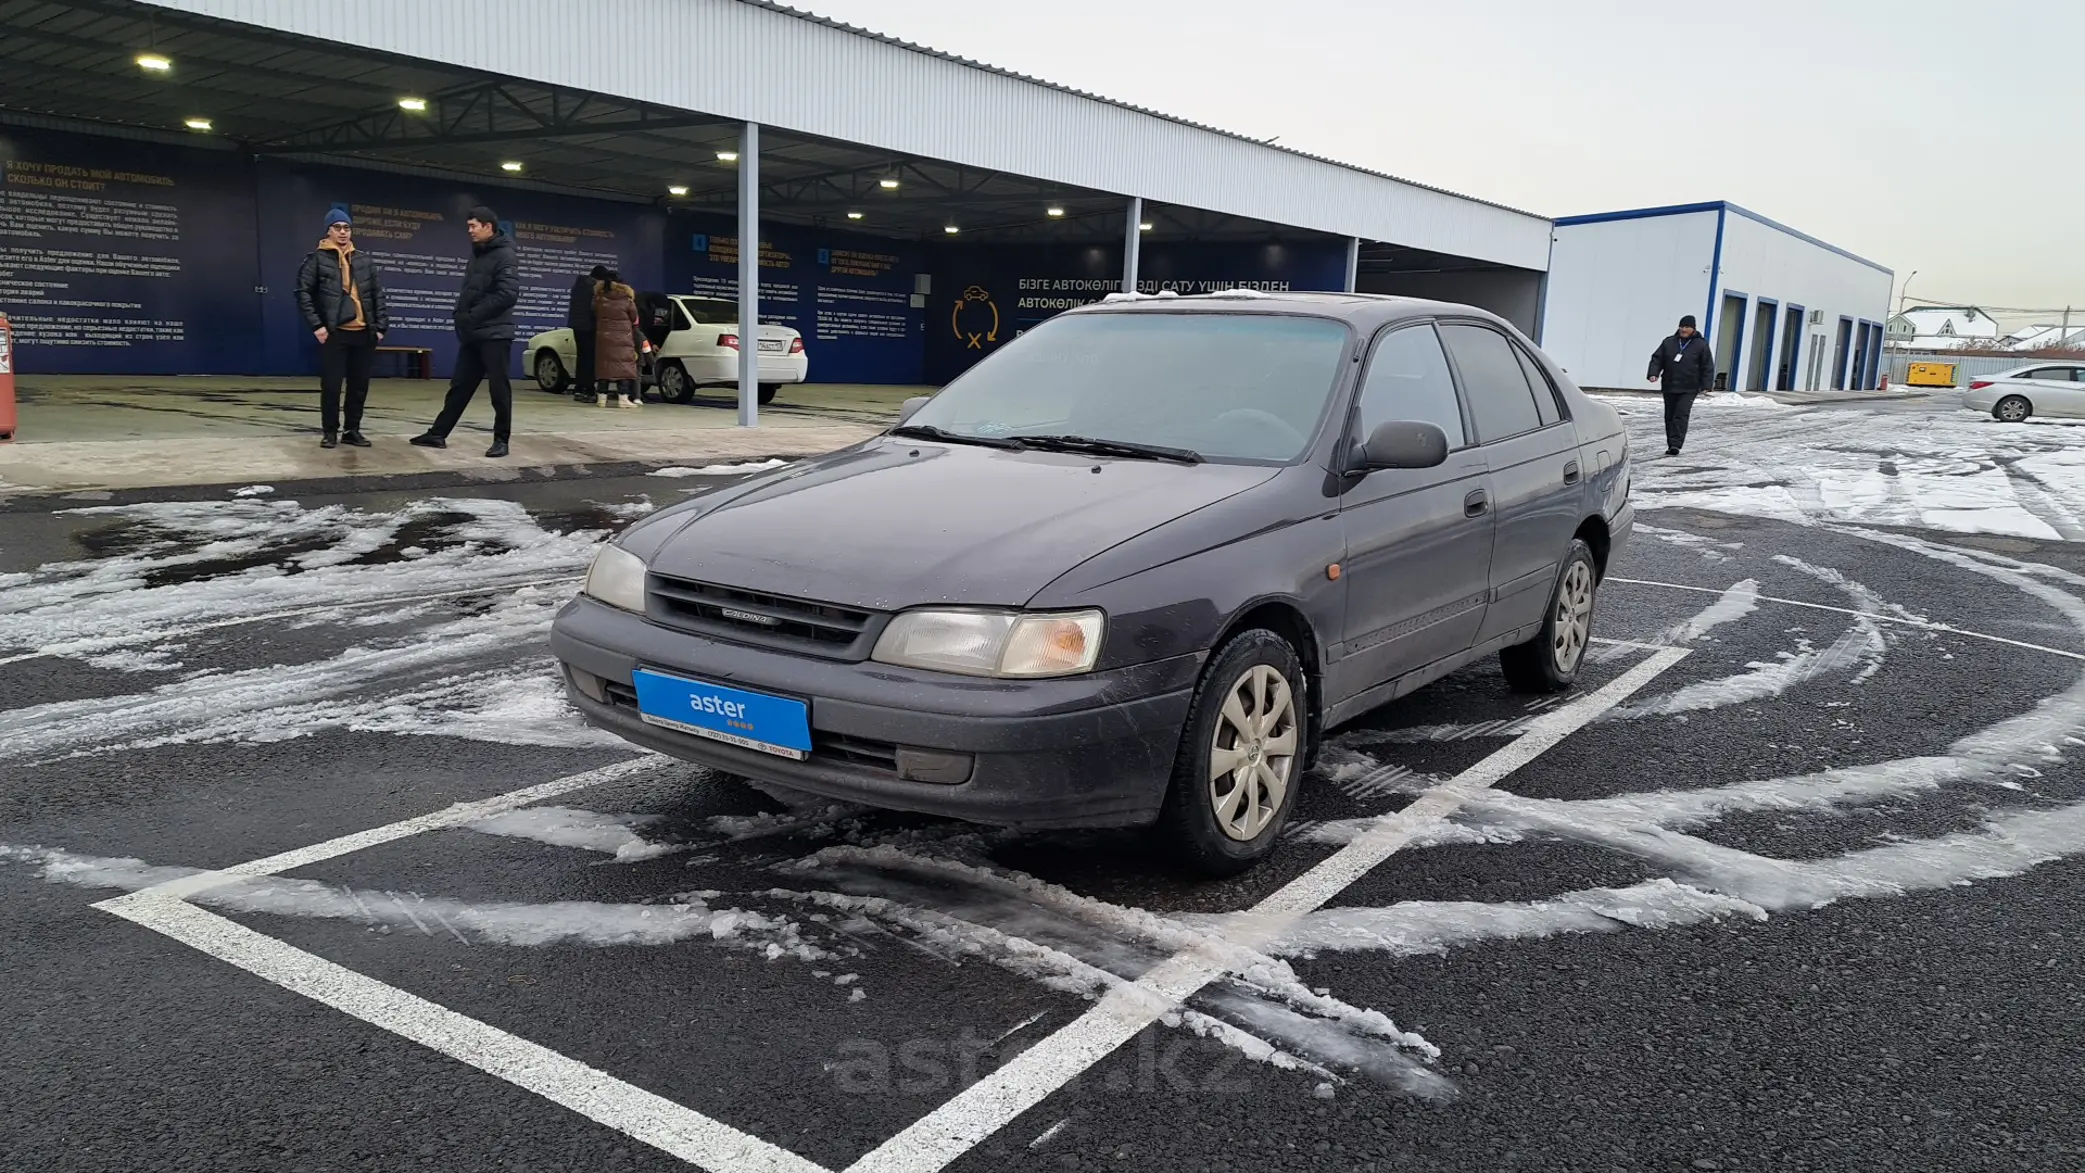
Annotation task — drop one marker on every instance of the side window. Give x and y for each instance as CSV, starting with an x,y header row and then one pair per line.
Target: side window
x,y
1545,391
1408,379
2061,374
1500,400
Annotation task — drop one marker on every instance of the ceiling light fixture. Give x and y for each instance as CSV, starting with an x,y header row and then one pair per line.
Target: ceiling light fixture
x,y
951,229
888,183
1143,228
510,165
854,215
154,62
1056,211
727,156
197,124
677,190
413,105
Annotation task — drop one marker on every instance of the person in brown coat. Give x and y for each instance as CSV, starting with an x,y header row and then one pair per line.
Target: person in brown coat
x,y
615,342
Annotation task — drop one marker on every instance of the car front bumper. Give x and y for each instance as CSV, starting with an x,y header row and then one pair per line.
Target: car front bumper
x,y
1088,751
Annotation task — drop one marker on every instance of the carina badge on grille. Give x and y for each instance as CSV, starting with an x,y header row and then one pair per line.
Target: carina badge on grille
x,y
738,616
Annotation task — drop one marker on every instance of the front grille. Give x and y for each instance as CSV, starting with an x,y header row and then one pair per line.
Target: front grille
x,y
857,751
619,693
754,617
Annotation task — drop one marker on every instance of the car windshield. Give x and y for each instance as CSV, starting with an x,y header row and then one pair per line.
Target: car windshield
x,y
709,311
1248,388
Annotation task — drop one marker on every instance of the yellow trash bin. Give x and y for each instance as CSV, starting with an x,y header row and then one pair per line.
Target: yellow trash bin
x,y
1930,374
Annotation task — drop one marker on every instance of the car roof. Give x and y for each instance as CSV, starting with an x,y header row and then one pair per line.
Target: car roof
x,y
1365,311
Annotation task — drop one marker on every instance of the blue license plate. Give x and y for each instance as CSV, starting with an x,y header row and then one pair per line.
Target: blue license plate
x,y
750,720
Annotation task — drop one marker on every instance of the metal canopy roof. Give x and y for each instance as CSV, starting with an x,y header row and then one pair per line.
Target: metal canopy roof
x,y
273,93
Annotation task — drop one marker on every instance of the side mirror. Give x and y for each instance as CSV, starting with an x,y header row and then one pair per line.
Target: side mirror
x,y
910,407
1401,444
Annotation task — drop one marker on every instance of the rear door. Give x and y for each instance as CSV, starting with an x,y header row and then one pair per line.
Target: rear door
x,y
1537,480
1419,541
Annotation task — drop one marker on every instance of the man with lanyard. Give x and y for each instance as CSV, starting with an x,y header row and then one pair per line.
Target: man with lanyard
x,y
1682,368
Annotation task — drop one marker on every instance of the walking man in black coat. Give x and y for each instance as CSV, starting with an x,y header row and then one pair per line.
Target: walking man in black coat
x,y
1682,368
485,332
580,317
341,296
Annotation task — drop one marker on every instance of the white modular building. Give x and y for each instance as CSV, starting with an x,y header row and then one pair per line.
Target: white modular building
x,y
1786,311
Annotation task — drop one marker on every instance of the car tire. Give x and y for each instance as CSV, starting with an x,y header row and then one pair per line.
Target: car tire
x,y
1550,661
2013,409
768,391
674,384
550,371
1253,698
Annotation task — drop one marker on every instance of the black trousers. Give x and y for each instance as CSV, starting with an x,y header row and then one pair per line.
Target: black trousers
x,y
480,362
583,378
1679,408
344,360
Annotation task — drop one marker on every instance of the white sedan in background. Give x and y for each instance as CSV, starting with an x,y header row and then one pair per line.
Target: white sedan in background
x,y
2043,388
695,343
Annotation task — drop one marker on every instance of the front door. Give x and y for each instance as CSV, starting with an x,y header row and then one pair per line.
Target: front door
x,y
1536,474
1419,541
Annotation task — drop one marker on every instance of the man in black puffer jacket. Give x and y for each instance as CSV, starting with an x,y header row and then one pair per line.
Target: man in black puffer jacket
x,y
1683,368
485,333
341,296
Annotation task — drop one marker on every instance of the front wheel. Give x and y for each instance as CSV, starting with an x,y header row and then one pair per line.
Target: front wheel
x,y
768,391
1241,757
2013,409
674,384
1550,661
550,371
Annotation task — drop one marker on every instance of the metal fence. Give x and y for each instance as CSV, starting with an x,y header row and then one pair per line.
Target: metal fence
x,y
1965,368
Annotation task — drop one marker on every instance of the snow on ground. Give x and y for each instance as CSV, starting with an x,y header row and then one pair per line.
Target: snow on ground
x,y
717,470
1937,468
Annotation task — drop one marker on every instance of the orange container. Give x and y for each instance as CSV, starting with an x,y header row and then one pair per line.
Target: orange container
x,y
6,381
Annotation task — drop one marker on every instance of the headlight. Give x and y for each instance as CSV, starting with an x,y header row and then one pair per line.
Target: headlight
x,y
994,643
617,578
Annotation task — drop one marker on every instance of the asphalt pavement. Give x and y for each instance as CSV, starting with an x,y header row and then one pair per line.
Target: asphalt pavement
x,y
1790,882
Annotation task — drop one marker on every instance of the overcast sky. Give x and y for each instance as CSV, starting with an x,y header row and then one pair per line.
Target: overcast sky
x,y
1943,137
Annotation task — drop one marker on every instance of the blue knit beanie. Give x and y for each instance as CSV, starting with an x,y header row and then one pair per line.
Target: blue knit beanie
x,y
337,215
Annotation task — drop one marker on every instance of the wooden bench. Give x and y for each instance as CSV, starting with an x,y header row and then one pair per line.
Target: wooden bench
x,y
419,360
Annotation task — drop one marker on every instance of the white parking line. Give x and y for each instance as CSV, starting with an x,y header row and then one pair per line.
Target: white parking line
x,y
455,816
1900,620
985,1107
627,1108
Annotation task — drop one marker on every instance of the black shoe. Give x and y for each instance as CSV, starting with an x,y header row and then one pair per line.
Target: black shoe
x,y
355,440
428,440
499,448
329,440
1672,452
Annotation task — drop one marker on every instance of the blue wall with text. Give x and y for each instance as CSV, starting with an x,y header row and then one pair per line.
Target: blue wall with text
x,y
120,257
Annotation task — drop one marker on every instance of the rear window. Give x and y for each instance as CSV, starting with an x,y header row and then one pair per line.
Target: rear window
x,y
1249,388
708,311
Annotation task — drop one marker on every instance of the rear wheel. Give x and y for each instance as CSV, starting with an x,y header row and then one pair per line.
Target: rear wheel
x,y
1241,757
674,384
550,371
2013,409
1550,661
768,391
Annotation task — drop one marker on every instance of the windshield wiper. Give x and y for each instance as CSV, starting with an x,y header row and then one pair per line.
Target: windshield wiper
x,y
930,432
1101,447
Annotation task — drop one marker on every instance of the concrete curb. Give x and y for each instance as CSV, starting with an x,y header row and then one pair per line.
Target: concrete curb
x,y
14,501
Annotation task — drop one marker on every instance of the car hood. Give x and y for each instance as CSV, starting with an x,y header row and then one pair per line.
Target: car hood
x,y
901,523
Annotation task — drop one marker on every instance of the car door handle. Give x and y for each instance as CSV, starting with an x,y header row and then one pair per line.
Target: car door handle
x,y
1475,504
1571,473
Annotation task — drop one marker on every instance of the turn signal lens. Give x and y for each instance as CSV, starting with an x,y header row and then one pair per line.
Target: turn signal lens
x,y
617,578
1051,645
1979,384
796,346
730,340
